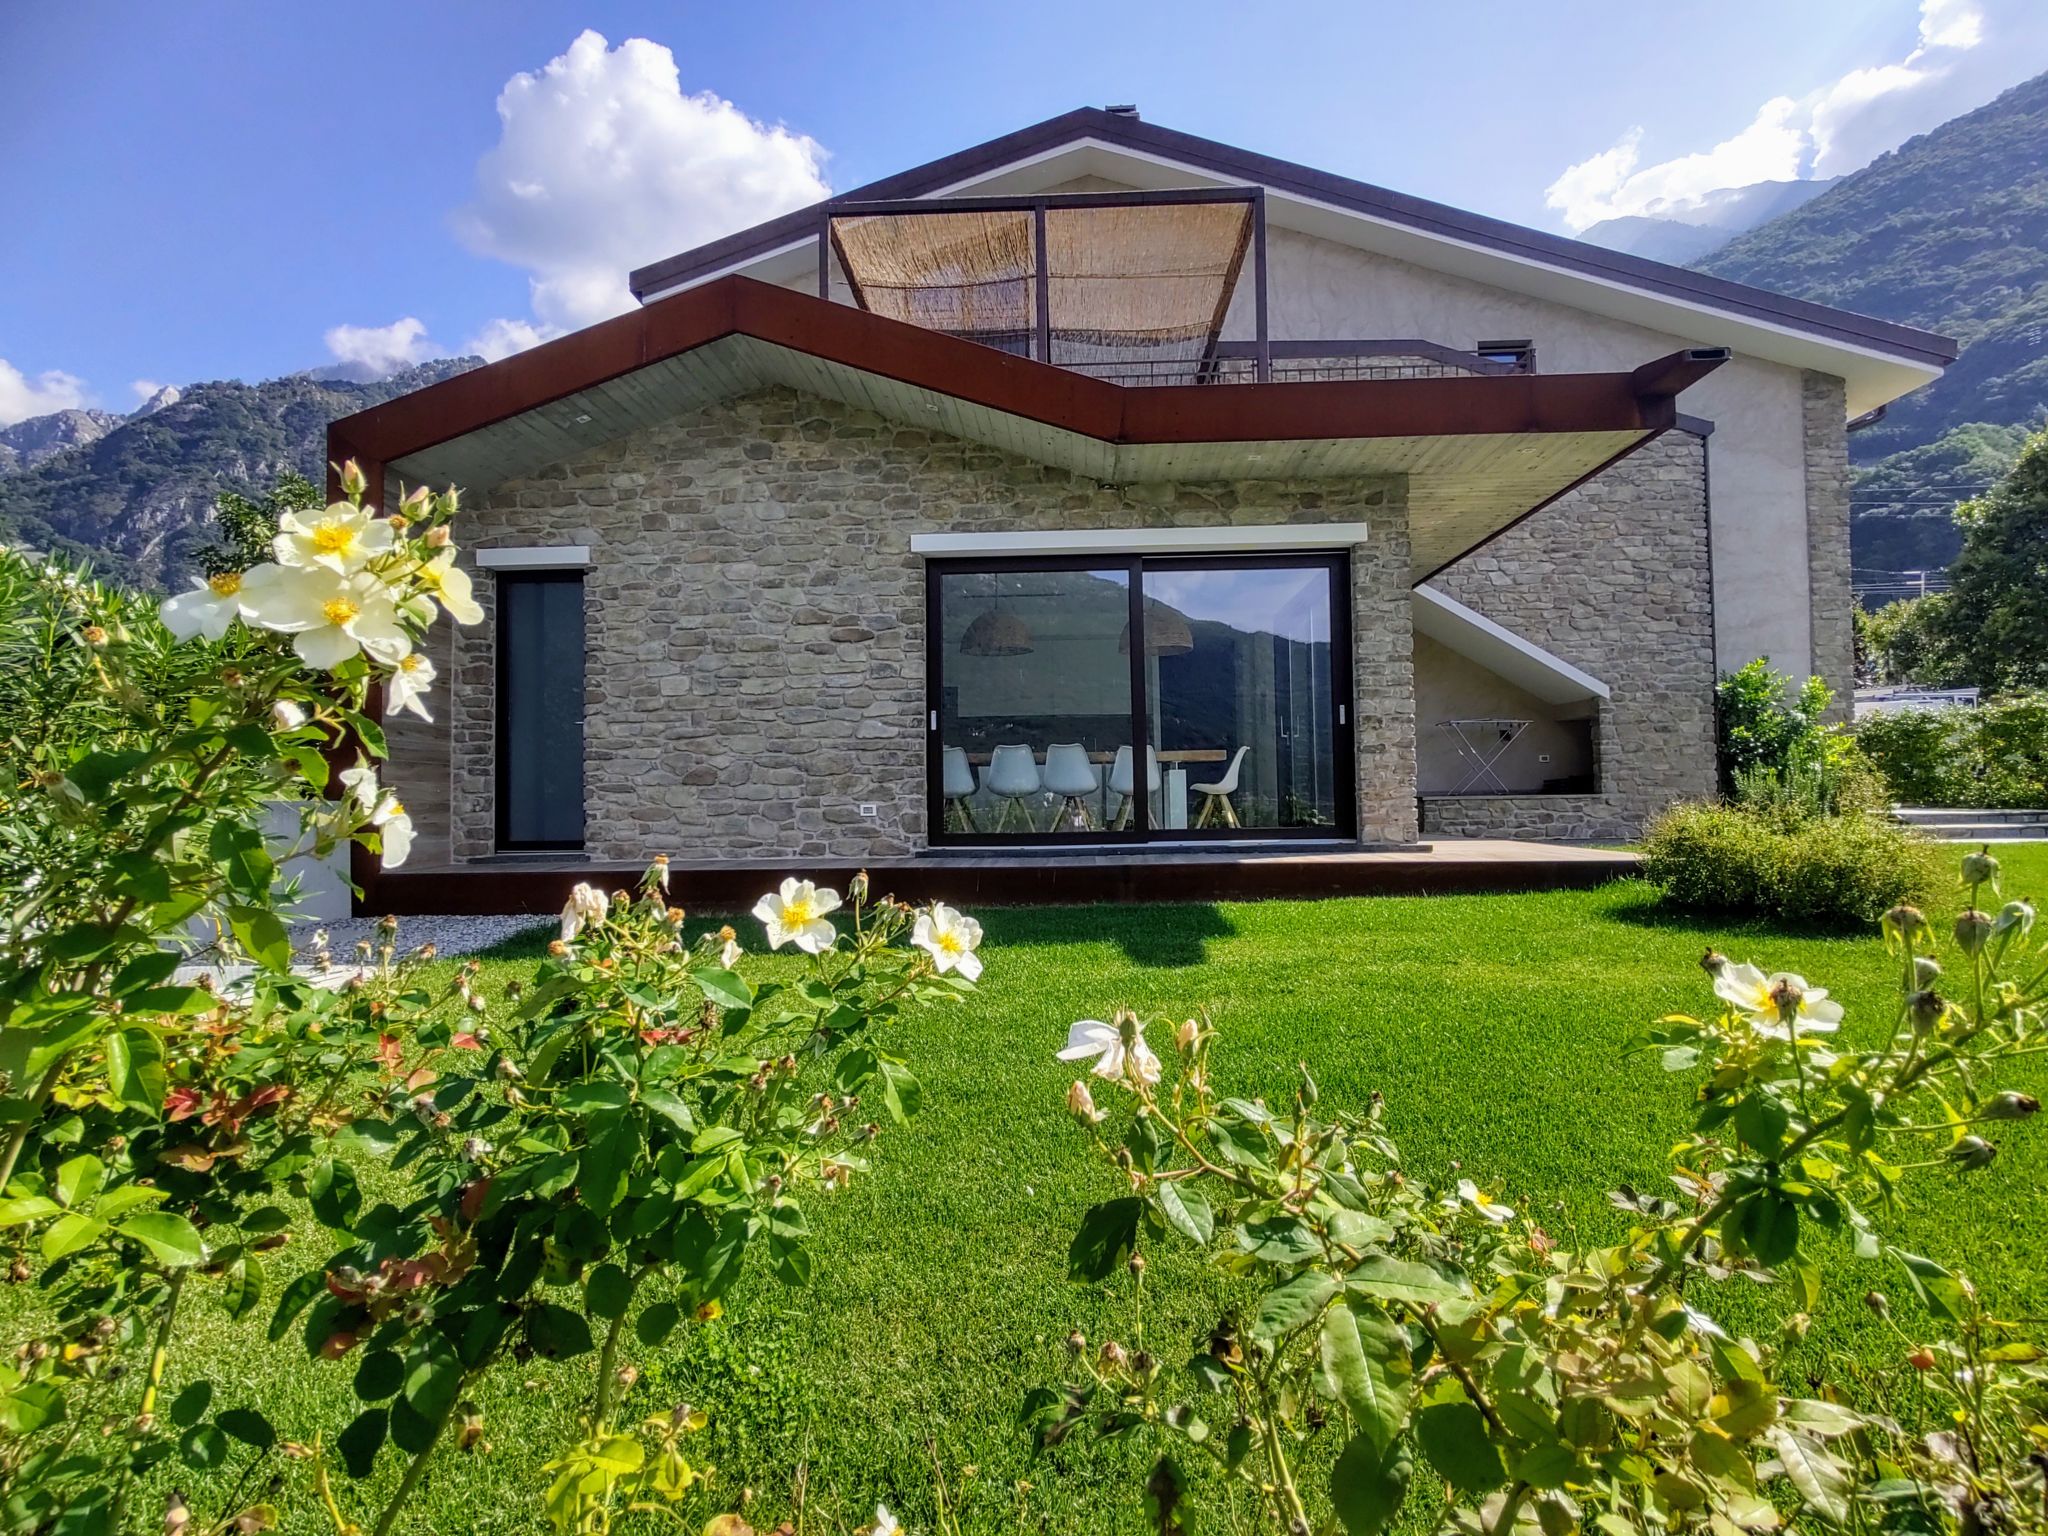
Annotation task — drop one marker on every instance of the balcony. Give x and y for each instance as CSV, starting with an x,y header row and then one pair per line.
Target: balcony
x,y
1137,288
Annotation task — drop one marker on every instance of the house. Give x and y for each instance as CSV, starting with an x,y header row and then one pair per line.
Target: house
x,y
1104,485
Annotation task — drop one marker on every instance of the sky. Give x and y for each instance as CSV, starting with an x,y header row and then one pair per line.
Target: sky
x,y
241,189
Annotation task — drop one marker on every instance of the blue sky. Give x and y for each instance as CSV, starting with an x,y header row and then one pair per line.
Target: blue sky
x,y
244,189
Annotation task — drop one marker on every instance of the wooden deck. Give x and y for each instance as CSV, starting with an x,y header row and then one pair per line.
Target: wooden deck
x,y
540,883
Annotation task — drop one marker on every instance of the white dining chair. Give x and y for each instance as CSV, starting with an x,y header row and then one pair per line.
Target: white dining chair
x,y
1121,786
956,783
1013,778
1216,794
1070,775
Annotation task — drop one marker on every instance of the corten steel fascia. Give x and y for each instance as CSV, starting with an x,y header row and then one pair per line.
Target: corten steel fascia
x,y
1054,397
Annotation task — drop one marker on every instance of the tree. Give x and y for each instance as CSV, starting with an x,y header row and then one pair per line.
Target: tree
x,y
1995,622
246,527
1902,642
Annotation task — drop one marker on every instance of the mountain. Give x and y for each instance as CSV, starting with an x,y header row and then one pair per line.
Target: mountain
x,y
27,443
1682,236
136,493
1948,232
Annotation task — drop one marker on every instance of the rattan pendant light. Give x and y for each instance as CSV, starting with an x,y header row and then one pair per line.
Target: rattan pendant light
x,y
997,633
1166,633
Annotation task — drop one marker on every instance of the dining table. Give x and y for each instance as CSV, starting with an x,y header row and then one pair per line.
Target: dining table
x,y
1172,812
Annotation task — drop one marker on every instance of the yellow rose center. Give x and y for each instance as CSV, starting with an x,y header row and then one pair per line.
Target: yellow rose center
x,y
410,662
797,913
227,584
339,610
950,943
393,807
333,538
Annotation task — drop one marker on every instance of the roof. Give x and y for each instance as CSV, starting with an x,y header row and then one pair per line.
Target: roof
x,y
1879,358
1480,452
1500,650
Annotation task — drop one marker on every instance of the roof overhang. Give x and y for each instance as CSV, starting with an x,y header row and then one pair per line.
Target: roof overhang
x,y
1479,453
1501,651
1878,359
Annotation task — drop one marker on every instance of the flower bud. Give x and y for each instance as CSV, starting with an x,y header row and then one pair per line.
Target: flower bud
x,y
353,481
1081,1104
1188,1033
1971,1153
1077,1342
1925,969
94,636
1925,1009
1137,1263
1921,1359
2015,916
475,1149
1877,1302
177,1517
1144,1366
2009,1106
1980,868
1713,962
437,538
508,1070
1972,929
1112,1354
557,949
1907,925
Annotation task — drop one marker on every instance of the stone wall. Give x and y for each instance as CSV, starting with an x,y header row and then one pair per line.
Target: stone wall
x,y
755,624
1833,599
1615,578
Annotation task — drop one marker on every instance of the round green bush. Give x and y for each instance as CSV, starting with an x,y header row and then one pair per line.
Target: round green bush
x,y
1830,871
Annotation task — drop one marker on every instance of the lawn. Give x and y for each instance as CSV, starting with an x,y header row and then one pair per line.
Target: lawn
x,y
1493,1025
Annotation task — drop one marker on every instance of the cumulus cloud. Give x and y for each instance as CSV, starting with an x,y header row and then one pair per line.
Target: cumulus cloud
x,y
22,397
603,163
145,390
502,337
384,348
1966,52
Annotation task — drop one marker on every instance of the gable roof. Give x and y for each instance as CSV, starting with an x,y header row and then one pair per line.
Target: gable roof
x,y
1480,452
1880,359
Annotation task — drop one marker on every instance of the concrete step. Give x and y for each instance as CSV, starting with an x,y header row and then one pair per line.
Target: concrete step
x,y
1931,816
1983,831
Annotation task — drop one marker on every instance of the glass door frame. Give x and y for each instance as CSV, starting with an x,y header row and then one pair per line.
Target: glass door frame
x,y
1335,563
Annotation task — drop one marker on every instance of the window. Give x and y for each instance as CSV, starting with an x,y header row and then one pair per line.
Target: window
x,y
1053,680
540,710
1522,354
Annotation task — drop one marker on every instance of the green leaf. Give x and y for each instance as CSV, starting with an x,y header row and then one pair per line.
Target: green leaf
x,y
23,1209
592,1098
261,933
190,1405
1940,1291
656,1323
1294,1304
203,1447
1186,1208
69,1233
1765,1227
79,1179
723,987
31,1407
602,1175
556,1332
1761,1120
1368,1485
1279,1240
362,1440
135,1069
122,1199
1454,1438
1393,1279
902,1095
1366,1366
668,1104
242,1285
1108,1232
433,1376
380,1375
293,1301
332,1191
171,1240
247,1426
607,1292
1823,1482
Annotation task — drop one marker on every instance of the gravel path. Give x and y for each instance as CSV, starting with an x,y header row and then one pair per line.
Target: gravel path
x,y
448,935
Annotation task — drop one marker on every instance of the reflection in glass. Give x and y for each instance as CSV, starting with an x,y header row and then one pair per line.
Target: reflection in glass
x,y
1241,713
1034,698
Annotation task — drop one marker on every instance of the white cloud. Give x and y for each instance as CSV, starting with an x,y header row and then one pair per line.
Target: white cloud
x,y
145,390
22,397
1832,130
501,338
604,164
385,348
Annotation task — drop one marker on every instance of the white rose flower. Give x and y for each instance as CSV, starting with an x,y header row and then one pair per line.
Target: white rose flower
x,y
286,716
1105,1042
394,830
730,955
451,584
341,538
1490,1209
796,915
949,937
331,617
408,685
361,783
1758,996
588,906
208,609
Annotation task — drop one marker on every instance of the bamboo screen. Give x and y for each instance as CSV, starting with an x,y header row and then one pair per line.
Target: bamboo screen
x,y
1134,289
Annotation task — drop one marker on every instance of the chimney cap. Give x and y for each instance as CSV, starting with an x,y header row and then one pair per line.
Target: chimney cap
x,y
1122,109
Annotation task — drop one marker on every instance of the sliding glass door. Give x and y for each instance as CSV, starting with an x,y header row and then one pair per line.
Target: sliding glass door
x,y
1139,699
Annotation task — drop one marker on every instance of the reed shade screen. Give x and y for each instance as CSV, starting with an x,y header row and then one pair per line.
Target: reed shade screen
x,y
1132,289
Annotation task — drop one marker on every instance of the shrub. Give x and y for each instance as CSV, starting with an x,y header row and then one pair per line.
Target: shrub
x,y
1995,755
1760,723
1394,1333
1827,870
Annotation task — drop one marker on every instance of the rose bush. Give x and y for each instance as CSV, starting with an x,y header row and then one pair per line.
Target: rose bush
x,y
1390,1325
566,1174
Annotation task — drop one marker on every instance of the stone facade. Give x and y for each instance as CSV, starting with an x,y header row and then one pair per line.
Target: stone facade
x,y
755,625
1832,600
1616,579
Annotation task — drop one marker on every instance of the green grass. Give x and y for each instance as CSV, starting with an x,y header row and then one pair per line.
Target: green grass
x,y
1494,1027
